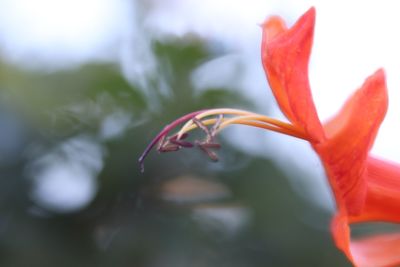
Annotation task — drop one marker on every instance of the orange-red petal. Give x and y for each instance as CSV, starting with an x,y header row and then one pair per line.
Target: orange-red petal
x,y
341,234
285,56
374,251
350,136
382,202
377,251
365,188
362,113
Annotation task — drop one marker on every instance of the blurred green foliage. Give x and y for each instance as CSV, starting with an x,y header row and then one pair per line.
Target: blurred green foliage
x,y
128,223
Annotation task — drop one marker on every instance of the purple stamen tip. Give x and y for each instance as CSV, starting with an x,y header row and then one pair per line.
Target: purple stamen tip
x,y
163,133
179,142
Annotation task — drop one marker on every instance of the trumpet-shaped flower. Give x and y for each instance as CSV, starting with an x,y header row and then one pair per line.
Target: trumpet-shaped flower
x,y
366,189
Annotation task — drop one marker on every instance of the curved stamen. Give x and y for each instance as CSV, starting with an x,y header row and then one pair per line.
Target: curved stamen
x,y
198,119
229,111
264,122
254,121
218,111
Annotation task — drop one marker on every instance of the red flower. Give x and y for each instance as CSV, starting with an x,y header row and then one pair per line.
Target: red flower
x,y
366,189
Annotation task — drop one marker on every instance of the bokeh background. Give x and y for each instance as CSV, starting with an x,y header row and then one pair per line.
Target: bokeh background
x,y
86,85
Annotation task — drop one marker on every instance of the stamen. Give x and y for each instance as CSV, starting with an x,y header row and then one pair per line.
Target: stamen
x,y
174,140
202,126
228,111
261,121
172,143
198,120
217,124
163,133
219,111
205,147
209,142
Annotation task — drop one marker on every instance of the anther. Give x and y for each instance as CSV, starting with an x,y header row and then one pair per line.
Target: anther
x,y
172,143
205,148
209,142
174,140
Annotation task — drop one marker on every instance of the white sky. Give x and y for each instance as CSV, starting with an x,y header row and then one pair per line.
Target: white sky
x,y
352,40
62,31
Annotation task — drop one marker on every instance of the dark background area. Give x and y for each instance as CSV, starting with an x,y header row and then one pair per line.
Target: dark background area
x,y
182,211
